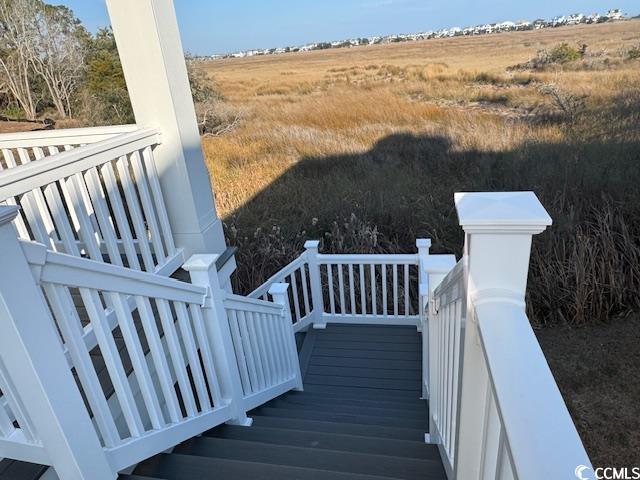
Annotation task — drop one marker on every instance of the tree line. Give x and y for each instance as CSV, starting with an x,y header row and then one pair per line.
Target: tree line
x,y
52,67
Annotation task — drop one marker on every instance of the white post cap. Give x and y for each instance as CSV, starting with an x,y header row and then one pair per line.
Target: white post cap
x,y
278,289
200,262
501,212
8,213
311,244
423,242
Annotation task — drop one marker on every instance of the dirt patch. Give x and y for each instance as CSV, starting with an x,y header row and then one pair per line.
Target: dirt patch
x,y
597,369
12,127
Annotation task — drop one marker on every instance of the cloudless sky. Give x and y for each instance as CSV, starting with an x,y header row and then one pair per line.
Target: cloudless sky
x,y
214,26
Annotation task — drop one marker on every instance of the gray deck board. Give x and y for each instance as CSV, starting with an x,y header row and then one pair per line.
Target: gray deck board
x,y
359,353
359,417
329,441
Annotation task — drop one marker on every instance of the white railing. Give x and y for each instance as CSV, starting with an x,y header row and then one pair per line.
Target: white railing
x,y
349,288
495,409
369,288
264,345
172,409
34,144
175,375
446,332
296,274
102,200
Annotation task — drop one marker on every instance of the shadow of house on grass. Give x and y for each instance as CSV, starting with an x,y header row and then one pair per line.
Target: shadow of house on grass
x,y
382,199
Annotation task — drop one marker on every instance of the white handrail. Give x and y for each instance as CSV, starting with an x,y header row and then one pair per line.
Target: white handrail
x,y
102,200
61,269
369,288
299,276
26,177
531,413
238,302
449,286
348,288
62,137
368,258
495,409
186,383
278,277
446,324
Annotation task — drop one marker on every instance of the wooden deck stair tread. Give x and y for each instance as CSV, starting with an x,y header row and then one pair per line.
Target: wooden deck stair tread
x,y
359,418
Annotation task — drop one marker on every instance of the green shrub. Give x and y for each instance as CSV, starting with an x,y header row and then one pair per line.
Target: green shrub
x,y
634,52
564,53
558,55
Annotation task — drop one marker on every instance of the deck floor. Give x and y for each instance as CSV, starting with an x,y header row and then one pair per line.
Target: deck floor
x,y
360,417
365,360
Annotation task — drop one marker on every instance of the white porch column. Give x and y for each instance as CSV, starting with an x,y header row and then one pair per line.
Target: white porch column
x,y
148,39
498,231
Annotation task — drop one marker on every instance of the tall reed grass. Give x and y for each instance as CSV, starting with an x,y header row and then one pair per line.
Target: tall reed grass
x,y
365,153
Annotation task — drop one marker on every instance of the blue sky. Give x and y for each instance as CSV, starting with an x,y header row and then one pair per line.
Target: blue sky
x,y
213,26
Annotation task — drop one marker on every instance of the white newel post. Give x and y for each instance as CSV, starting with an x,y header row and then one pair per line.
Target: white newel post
x,y
278,292
498,231
148,39
202,269
34,364
423,245
311,247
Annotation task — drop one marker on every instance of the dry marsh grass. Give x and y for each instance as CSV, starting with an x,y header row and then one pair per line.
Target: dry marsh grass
x,y
364,148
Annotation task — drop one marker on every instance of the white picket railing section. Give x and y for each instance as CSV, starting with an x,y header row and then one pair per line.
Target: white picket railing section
x,y
176,373
349,288
264,345
102,199
495,409
446,331
183,343
297,275
31,144
370,288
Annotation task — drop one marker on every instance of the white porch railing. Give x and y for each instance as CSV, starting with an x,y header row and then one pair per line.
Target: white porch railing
x,y
349,288
32,144
101,200
495,409
445,334
264,346
175,377
297,275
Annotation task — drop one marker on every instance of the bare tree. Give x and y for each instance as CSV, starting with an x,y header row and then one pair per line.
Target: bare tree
x,y
58,54
16,37
42,47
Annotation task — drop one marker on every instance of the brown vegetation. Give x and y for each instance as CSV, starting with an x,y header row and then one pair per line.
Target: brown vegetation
x,y
365,147
383,136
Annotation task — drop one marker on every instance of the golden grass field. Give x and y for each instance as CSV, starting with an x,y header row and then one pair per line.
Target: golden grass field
x,y
343,101
364,148
386,134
